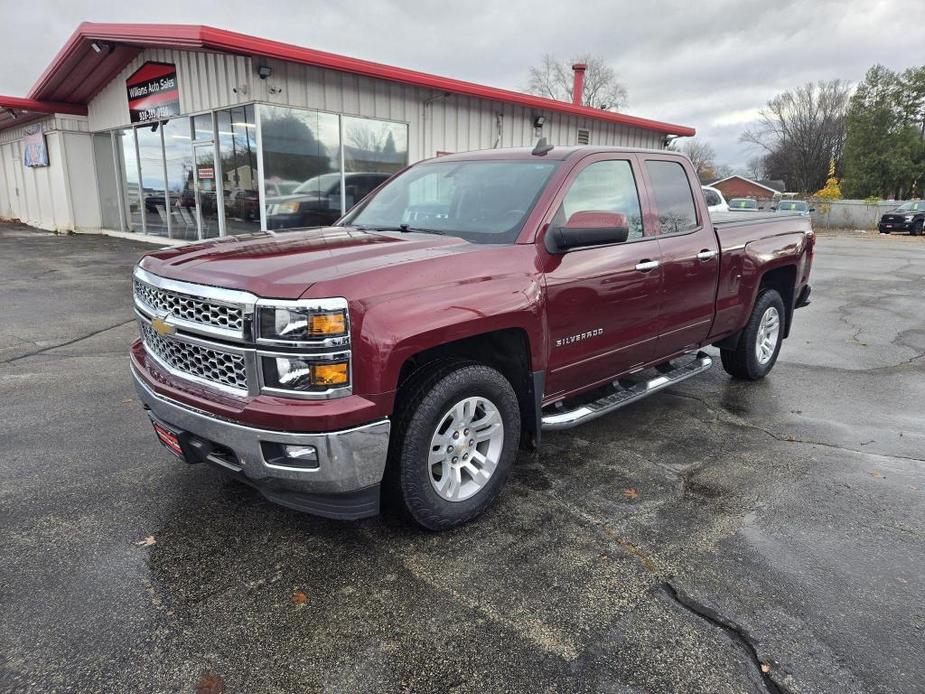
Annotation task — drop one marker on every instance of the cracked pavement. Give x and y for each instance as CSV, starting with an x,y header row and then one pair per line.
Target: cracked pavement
x,y
717,537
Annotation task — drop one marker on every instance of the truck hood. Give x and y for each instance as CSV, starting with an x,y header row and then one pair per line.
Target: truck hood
x,y
285,265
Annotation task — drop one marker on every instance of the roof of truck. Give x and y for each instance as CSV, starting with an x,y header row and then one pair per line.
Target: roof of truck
x,y
556,153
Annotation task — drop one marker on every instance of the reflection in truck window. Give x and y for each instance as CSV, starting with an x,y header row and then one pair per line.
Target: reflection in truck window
x,y
480,201
673,196
604,186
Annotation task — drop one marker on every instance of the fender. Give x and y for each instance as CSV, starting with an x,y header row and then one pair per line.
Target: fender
x,y
396,327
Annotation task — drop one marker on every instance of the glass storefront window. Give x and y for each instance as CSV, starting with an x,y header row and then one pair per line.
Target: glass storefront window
x,y
237,148
202,126
301,165
173,182
153,188
178,155
125,139
373,151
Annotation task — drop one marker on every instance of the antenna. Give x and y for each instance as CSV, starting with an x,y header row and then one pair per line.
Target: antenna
x,y
541,148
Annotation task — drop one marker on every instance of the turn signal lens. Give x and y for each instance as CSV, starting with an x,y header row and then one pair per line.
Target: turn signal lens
x,y
327,324
331,374
302,373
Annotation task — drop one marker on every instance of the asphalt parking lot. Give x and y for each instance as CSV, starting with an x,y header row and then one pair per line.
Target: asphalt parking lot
x,y
717,537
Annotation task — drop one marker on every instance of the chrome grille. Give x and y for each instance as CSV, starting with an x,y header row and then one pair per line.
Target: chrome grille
x,y
190,308
201,362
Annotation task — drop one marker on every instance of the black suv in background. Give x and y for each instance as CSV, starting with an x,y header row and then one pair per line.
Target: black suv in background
x,y
910,216
316,202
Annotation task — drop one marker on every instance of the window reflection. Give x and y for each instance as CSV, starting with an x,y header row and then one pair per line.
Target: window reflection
x,y
179,160
125,140
373,151
301,152
153,189
237,142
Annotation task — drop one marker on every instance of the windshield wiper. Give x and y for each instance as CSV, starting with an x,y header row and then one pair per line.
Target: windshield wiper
x,y
404,228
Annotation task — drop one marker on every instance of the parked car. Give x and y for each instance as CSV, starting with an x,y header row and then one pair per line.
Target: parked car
x,y
316,202
470,304
910,216
800,207
744,205
715,200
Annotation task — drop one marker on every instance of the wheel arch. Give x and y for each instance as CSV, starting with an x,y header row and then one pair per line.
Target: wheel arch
x,y
508,351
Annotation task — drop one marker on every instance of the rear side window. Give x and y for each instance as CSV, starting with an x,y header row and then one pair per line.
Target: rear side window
x,y
604,186
673,196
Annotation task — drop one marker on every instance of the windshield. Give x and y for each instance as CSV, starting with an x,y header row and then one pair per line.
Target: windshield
x,y
480,201
911,206
743,204
792,206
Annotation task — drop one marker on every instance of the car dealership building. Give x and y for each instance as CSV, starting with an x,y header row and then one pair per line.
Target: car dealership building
x,y
191,132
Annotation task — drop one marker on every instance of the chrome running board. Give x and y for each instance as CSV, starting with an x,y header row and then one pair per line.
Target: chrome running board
x,y
624,396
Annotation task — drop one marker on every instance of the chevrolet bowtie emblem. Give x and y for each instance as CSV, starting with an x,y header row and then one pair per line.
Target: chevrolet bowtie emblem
x,y
160,324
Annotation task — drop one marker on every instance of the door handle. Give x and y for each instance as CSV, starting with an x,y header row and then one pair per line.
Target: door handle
x,y
646,265
706,254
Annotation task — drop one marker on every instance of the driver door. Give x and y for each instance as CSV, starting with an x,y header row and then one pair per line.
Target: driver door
x,y
602,301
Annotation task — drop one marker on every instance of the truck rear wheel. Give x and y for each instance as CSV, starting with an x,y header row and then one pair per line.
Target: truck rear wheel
x,y
760,342
456,438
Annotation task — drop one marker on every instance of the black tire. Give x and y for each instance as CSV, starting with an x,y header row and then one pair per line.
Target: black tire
x,y
917,228
742,362
423,404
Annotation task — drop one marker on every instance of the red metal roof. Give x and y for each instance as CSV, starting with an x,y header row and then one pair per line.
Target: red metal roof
x,y
78,72
15,110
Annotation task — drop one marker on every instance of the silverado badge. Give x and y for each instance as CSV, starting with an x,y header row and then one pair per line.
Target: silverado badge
x,y
160,324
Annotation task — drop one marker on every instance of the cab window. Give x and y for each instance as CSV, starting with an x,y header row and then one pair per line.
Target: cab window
x,y
673,197
604,186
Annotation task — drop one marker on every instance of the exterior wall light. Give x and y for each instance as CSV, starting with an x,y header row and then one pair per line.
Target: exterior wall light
x,y
264,71
538,122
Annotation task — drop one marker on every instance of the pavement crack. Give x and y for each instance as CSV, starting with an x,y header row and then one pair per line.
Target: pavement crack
x,y
736,632
67,343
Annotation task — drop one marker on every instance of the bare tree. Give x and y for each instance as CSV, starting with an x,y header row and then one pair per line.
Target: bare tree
x,y
756,167
802,130
702,157
553,78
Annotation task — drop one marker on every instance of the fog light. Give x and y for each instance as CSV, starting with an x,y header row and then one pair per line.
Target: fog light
x,y
304,454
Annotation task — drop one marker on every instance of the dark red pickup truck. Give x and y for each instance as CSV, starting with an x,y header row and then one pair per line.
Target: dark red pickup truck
x,y
465,306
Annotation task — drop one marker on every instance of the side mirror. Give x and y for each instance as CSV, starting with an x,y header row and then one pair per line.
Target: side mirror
x,y
812,209
588,228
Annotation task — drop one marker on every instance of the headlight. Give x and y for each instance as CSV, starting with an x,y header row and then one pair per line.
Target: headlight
x,y
304,374
301,323
287,208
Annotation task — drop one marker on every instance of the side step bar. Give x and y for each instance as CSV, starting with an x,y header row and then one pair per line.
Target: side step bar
x,y
592,410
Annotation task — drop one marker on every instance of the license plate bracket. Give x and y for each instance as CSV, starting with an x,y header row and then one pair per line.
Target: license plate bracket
x,y
169,438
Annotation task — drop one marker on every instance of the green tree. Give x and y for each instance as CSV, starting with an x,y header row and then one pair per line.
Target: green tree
x,y
884,153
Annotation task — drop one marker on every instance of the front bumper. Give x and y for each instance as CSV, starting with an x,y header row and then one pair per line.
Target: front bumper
x,y
344,484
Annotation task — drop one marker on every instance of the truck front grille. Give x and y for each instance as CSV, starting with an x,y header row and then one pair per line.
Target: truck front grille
x,y
212,365
190,308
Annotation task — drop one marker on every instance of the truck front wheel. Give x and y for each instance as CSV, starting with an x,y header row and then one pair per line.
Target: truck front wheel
x,y
760,342
456,437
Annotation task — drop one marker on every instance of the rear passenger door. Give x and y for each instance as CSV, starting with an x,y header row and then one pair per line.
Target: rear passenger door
x,y
601,301
689,254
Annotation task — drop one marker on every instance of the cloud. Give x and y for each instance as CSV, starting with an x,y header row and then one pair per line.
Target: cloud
x,y
709,65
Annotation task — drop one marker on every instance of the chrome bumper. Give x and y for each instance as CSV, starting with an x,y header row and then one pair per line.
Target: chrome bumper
x,y
348,460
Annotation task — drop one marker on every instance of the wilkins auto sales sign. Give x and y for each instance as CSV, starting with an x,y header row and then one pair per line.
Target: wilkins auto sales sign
x,y
153,93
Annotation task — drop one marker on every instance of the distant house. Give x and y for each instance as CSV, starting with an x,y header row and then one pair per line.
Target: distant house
x,y
741,187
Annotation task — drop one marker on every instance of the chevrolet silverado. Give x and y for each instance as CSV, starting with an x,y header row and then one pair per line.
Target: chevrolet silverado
x,y
467,305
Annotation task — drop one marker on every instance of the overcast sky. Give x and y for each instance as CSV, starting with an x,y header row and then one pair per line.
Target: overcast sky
x,y
710,65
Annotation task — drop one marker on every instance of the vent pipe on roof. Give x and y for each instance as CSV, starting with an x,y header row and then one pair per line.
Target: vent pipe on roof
x,y
578,86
